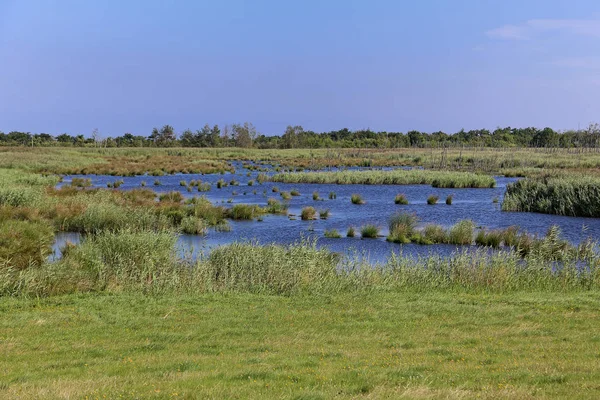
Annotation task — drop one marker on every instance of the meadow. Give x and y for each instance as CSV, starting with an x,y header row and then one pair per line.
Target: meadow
x,y
123,314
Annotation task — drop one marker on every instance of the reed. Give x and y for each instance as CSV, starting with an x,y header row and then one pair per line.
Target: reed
x,y
324,214
308,213
369,231
432,199
402,227
173,197
449,200
351,232
274,206
315,195
441,179
244,211
357,199
461,233
575,196
332,196
400,199
332,233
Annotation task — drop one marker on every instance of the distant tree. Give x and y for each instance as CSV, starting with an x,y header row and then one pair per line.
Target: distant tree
x,y
244,134
187,138
215,136
291,136
163,137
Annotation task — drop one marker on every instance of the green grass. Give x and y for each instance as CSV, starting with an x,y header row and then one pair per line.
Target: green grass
x,y
442,179
380,344
245,211
572,196
369,231
449,199
332,233
315,195
274,206
332,196
402,227
351,232
308,213
433,199
324,214
400,199
357,199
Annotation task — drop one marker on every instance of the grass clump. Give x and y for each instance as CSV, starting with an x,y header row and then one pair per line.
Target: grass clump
x,y
244,211
81,182
274,206
172,197
156,182
351,232
324,214
433,199
275,189
192,225
332,196
308,213
461,233
356,199
315,195
449,200
400,199
295,192
332,233
24,243
285,195
369,231
402,227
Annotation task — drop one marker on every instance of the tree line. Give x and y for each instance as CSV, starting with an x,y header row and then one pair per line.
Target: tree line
x,y
245,135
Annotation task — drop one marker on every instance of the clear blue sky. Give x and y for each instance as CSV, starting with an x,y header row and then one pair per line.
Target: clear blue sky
x,y
126,66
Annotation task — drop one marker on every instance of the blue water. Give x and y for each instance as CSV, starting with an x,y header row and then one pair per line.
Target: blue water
x,y
474,204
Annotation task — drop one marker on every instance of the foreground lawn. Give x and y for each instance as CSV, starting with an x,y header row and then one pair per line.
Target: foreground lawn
x,y
381,345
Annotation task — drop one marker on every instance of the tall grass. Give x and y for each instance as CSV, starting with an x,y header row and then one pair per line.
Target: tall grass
x,y
24,243
402,227
308,213
442,179
572,196
433,199
400,199
356,199
245,211
369,231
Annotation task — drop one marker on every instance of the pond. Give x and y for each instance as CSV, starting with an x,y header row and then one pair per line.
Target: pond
x,y
476,204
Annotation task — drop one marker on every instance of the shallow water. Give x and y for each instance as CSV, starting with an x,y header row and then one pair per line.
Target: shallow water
x,y
474,204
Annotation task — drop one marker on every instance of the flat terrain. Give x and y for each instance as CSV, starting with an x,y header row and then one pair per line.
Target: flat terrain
x,y
377,345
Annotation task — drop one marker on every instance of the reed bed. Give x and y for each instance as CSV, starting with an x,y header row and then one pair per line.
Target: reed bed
x,y
147,262
441,179
576,196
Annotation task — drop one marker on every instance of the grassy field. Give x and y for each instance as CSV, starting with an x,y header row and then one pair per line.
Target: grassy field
x,y
379,345
122,316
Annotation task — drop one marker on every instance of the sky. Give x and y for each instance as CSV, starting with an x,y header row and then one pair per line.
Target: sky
x,y
127,66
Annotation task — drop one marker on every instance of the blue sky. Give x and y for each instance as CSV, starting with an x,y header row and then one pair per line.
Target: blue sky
x,y
126,66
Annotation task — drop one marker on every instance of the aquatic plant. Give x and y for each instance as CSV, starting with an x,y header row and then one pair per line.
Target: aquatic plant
x,y
441,179
461,233
432,199
274,206
295,192
81,182
244,211
285,195
308,213
332,233
449,200
315,195
324,214
174,196
400,199
332,196
275,189
357,199
402,227
351,232
369,231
